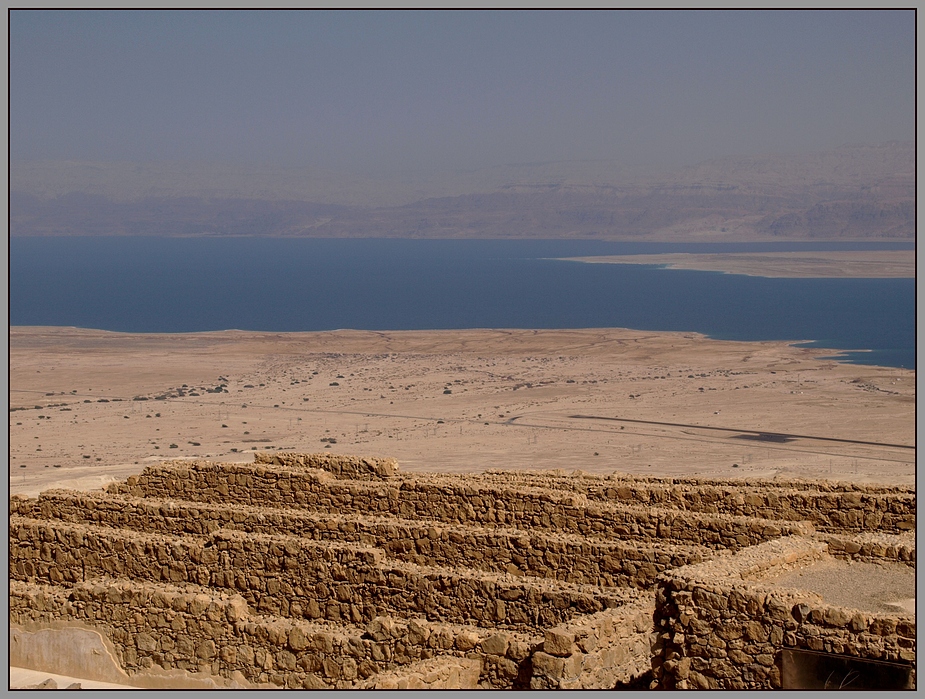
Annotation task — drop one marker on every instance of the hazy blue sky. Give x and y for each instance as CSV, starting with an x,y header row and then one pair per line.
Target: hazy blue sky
x,y
378,91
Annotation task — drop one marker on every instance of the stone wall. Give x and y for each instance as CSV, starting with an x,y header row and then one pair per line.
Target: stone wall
x,y
156,626
581,481
720,628
407,498
853,510
606,649
343,467
829,505
443,672
161,626
297,578
322,571
872,547
566,557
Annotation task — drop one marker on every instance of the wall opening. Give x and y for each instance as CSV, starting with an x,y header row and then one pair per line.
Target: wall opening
x,y
803,669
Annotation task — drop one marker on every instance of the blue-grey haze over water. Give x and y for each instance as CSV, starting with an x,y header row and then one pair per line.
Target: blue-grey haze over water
x,y
171,285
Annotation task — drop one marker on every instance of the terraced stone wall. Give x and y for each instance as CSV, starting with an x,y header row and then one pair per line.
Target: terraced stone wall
x,y
296,578
829,505
535,553
873,547
172,628
720,628
342,467
608,649
438,673
524,508
314,571
855,510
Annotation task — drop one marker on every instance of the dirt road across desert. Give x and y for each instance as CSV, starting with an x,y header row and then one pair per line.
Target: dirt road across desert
x,y
88,407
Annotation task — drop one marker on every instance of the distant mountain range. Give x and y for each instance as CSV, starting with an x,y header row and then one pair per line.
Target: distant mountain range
x,y
849,193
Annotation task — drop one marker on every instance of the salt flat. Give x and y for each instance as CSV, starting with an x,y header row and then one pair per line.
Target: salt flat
x,y
88,406
833,263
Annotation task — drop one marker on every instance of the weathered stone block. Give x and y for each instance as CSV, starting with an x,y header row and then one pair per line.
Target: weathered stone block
x,y
206,649
312,681
380,628
835,616
698,681
801,611
236,609
548,665
559,642
756,631
467,640
323,642
331,668
442,637
285,660
497,644
297,639
777,609
146,642
518,650
587,643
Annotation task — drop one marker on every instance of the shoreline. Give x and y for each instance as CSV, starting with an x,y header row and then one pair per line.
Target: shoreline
x,y
856,264
826,353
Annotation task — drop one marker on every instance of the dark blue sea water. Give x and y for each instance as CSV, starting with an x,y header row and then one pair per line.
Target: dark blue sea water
x,y
197,284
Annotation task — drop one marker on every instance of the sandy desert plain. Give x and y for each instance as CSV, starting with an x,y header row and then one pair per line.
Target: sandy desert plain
x,y
88,407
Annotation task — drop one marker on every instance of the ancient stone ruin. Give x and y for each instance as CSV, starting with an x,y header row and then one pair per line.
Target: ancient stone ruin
x,y
324,571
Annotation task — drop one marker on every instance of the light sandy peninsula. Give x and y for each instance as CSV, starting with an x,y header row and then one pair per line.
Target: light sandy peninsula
x,y
91,406
853,263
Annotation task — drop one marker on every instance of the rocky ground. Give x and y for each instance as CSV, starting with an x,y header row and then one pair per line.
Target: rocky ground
x,y
876,587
